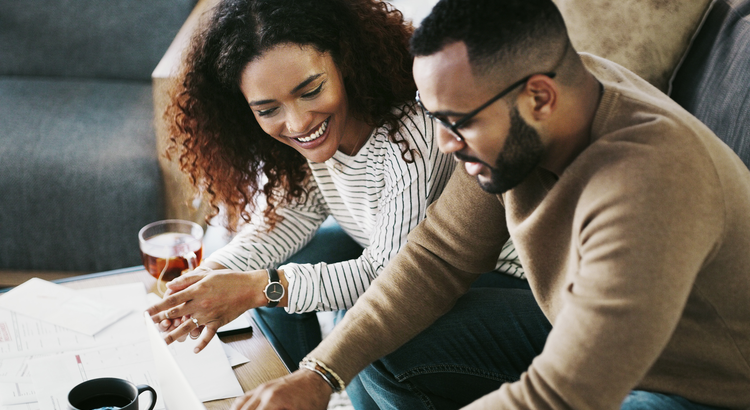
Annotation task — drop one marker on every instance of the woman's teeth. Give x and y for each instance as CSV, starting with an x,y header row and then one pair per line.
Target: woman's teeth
x,y
315,135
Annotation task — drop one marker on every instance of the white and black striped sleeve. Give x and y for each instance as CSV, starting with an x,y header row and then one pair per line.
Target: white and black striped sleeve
x,y
380,198
255,248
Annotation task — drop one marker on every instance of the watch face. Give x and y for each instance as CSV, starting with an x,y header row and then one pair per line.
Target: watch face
x,y
274,291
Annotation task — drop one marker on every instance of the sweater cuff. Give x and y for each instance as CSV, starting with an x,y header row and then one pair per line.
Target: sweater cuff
x,y
338,361
293,278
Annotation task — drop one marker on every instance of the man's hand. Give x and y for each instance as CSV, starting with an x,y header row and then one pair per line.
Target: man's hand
x,y
212,298
301,390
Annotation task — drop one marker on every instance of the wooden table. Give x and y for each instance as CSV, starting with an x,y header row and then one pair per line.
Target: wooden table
x,y
264,364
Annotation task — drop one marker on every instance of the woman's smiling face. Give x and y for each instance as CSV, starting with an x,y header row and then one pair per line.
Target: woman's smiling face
x,y
297,96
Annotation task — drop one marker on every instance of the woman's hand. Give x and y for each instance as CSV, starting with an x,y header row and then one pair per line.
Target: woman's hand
x,y
171,323
200,302
301,390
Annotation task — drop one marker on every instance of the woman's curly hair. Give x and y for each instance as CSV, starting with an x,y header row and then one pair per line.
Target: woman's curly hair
x,y
212,129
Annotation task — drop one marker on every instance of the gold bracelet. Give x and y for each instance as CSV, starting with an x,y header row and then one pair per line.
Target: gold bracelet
x,y
324,371
312,367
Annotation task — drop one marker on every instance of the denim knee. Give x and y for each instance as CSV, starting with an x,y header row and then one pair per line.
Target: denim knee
x,y
644,400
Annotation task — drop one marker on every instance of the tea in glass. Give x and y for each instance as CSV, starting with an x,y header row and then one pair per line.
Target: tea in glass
x,y
170,247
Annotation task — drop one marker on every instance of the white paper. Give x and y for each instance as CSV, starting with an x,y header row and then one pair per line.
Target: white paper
x,y
41,361
16,388
119,350
54,376
235,358
56,304
21,406
208,372
32,339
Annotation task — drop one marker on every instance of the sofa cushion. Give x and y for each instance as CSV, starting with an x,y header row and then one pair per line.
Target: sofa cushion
x,y
713,82
79,171
649,37
121,39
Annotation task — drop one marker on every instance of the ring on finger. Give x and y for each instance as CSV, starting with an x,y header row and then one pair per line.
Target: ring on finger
x,y
166,314
195,321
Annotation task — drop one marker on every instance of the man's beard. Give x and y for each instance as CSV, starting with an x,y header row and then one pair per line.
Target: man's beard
x,y
521,153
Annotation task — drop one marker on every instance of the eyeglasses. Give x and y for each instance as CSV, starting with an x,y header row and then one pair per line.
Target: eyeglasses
x,y
454,126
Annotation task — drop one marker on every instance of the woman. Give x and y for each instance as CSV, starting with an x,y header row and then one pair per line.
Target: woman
x,y
289,111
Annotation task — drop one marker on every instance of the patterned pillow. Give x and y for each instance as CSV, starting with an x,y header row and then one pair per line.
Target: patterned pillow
x,y
649,37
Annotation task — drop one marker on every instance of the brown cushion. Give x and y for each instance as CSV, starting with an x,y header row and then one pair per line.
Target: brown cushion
x,y
648,37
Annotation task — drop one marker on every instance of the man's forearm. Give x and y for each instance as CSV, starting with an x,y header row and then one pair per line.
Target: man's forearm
x,y
393,310
464,232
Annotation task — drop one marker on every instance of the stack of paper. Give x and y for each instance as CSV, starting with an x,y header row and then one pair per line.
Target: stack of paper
x,y
53,337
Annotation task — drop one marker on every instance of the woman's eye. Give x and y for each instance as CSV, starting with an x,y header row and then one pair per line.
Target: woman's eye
x,y
314,92
264,113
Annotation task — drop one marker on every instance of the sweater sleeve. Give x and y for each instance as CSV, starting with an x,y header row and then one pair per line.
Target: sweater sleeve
x,y
254,247
401,204
423,281
646,223
641,231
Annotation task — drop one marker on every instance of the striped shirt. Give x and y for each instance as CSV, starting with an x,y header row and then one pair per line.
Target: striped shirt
x,y
375,196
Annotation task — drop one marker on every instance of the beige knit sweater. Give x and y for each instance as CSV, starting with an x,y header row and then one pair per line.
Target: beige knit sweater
x,y
639,255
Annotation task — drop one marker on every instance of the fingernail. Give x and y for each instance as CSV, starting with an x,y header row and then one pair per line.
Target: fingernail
x,y
196,350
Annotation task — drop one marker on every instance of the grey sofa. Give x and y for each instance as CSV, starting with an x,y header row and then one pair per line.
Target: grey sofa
x,y
713,81
79,173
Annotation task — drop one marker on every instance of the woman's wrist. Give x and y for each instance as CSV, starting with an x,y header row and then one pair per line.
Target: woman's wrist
x,y
258,281
212,265
284,302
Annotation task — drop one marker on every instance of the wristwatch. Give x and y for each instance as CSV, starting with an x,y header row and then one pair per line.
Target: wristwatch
x,y
274,291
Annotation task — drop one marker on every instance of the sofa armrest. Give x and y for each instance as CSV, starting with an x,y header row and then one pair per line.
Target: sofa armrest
x,y
180,198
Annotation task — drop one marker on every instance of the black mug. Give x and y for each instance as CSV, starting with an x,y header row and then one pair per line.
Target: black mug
x,y
108,393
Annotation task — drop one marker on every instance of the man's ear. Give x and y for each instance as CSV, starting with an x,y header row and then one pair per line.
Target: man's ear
x,y
540,94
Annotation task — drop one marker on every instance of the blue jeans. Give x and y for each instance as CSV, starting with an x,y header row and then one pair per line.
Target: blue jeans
x,y
298,334
489,337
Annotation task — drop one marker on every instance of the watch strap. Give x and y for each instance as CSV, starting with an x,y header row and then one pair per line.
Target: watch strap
x,y
273,277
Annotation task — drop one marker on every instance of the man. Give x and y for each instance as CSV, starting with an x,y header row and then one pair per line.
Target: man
x,y
632,221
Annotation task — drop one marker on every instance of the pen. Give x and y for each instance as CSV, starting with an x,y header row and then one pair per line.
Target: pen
x,y
80,368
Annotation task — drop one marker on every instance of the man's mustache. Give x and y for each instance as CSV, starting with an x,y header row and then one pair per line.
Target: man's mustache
x,y
466,158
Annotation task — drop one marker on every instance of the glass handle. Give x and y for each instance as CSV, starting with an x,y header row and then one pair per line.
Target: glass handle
x,y
192,260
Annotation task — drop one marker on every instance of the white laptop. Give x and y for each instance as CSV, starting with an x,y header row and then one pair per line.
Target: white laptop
x,y
176,391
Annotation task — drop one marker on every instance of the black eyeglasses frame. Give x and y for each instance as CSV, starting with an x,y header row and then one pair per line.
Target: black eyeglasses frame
x,y
454,126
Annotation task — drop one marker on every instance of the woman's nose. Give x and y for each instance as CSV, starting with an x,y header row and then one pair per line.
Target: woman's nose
x,y
298,121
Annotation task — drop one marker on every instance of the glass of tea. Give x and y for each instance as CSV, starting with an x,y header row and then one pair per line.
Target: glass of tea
x,y
170,247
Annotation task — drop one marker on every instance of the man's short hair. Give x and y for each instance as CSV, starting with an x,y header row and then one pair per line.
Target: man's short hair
x,y
493,30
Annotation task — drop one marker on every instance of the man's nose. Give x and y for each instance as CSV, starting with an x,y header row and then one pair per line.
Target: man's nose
x,y
448,142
